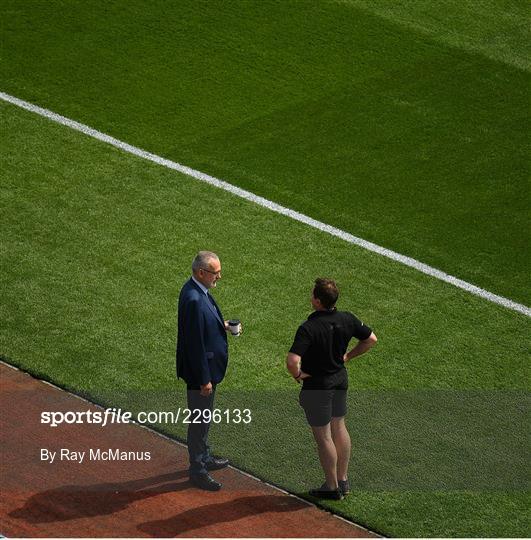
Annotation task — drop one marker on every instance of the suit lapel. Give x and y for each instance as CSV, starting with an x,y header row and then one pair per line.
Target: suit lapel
x,y
210,302
214,308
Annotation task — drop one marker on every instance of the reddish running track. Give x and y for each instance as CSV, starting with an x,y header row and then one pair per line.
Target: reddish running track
x,y
107,498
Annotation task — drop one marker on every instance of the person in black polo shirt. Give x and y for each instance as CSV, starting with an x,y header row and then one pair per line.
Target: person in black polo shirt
x,y
317,359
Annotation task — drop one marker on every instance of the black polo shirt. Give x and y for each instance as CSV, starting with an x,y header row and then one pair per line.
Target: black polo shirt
x,y
322,340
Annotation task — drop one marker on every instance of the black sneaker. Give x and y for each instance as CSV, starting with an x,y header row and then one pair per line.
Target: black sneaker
x,y
324,492
344,486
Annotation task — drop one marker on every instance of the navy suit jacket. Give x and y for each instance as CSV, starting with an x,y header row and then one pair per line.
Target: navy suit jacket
x,y
202,352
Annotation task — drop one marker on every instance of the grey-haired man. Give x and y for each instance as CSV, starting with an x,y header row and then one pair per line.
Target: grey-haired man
x,y
202,356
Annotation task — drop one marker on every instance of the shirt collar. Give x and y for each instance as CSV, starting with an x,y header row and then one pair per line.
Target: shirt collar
x,y
201,286
323,312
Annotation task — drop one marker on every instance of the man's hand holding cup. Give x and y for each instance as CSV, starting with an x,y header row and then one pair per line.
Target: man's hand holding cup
x,y
234,326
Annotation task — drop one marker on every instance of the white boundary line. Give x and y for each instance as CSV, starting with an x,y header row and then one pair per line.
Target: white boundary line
x,y
261,201
179,443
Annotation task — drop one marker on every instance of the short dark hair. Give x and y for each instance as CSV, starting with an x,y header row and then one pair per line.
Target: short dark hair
x,y
326,291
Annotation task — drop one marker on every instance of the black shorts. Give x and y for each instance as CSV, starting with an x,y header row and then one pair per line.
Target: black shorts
x,y
323,398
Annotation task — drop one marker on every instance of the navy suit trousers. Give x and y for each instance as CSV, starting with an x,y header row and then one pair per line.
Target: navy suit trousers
x,y
198,449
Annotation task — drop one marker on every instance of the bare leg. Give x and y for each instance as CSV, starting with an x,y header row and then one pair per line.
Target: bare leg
x,y
341,440
327,454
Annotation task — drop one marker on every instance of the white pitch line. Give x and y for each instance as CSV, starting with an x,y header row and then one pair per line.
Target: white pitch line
x,y
198,175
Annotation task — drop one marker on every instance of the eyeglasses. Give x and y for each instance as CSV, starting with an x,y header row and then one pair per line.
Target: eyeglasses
x,y
218,273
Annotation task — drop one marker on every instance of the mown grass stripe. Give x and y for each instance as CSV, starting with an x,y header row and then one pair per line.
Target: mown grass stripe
x,y
279,209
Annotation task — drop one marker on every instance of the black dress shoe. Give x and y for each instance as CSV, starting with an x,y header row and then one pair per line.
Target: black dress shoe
x,y
324,492
205,481
215,464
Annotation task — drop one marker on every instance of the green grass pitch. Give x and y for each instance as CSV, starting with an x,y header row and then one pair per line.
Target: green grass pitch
x,y
401,124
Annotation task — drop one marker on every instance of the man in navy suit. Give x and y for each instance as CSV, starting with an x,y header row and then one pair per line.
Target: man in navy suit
x,y
202,356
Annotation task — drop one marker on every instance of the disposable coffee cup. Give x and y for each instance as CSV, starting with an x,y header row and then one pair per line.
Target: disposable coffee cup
x,y
235,327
